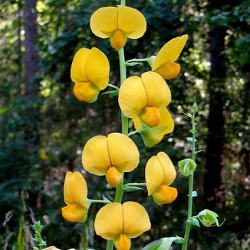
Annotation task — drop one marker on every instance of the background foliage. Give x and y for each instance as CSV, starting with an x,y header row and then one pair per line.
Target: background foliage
x,y
33,170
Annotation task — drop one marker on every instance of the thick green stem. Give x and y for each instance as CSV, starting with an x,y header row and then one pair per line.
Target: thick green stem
x,y
123,2
119,192
109,245
190,191
123,76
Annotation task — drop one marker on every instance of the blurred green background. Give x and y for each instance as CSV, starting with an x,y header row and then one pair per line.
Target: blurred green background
x,y
43,127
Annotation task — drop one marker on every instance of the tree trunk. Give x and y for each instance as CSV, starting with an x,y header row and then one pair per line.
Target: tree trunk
x,y
216,86
31,76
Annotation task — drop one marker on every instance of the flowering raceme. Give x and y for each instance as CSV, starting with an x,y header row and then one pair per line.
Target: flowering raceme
x,y
75,196
90,73
120,222
111,156
160,173
118,23
164,62
144,97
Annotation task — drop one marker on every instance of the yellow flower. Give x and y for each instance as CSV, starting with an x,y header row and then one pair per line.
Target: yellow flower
x,y
144,97
164,62
160,173
90,73
75,195
118,23
120,222
152,136
110,156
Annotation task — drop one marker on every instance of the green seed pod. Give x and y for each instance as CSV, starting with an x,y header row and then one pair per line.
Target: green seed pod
x,y
186,166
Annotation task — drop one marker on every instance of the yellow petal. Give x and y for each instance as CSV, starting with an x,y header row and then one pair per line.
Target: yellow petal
x,y
113,177
118,40
168,168
157,91
136,220
132,96
154,135
104,21
170,51
122,242
108,221
123,152
51,248
97,68
164,195
131,21
151,116
95,157
74,213
168,70
86,92
68,198
154,174
78,189
77,71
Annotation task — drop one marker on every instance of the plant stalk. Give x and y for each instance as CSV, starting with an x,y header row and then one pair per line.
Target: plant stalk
x,y
190,190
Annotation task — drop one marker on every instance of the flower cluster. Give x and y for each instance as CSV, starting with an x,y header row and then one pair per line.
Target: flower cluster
x,y
144,99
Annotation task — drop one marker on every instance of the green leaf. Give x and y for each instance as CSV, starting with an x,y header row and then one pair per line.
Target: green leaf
x,y
197,152
131,188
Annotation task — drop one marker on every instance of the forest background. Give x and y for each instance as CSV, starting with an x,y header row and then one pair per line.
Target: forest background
x,y
43,127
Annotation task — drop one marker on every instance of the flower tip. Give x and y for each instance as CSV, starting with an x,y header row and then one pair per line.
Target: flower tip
x,y
123,242
113,177
118,40
151,116
86,92
164,195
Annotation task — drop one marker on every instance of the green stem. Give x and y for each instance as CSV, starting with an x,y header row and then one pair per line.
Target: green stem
x,y
123,2
99,201
109,245
113,86
190,190
123,76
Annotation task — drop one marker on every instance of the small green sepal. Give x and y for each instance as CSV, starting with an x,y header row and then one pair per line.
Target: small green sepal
x,y
106,199
131,188
133,64
194,222
191,139
111,92
151,61
193,131
187,166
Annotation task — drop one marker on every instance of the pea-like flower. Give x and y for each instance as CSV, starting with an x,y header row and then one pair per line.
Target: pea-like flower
x,y
118,23
120,222
90,73
75,196
111,156
160,173
152,136
144,97
164,63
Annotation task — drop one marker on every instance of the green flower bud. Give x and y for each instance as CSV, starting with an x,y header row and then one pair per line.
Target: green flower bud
x,y
208,218
163,244
186,166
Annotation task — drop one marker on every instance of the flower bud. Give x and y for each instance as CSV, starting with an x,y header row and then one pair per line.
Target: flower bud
x,y
208,218
187,166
